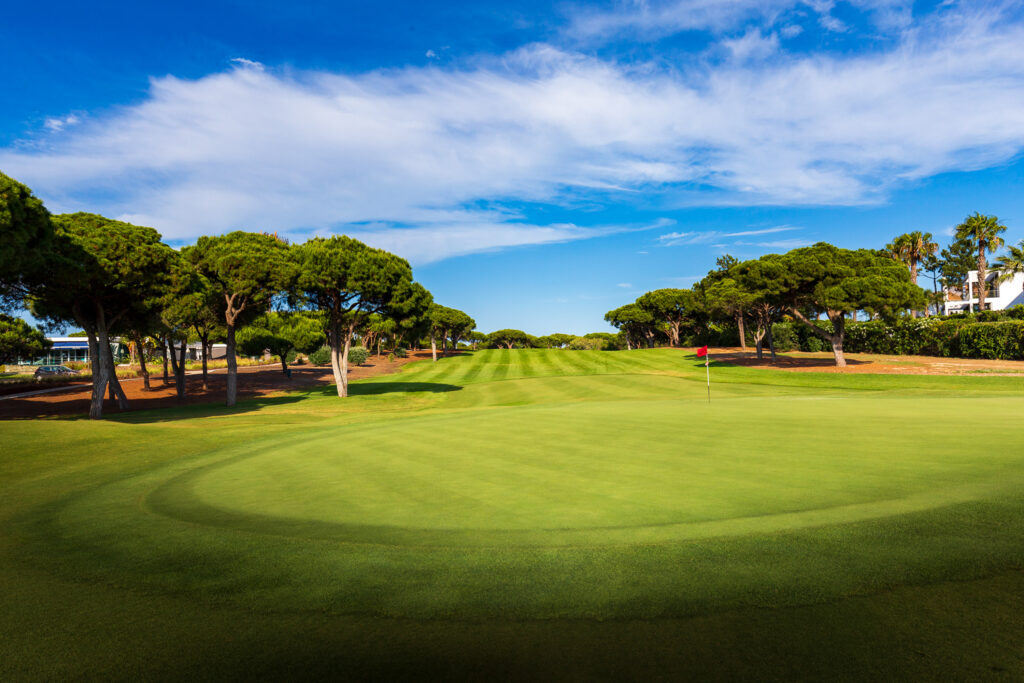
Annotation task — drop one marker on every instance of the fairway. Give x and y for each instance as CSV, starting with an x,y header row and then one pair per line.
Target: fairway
x,y
529,487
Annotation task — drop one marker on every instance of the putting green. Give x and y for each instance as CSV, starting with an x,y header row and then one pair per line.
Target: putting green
x,y
451,479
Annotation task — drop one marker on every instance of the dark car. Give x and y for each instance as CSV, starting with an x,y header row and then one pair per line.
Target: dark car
x,y
54,371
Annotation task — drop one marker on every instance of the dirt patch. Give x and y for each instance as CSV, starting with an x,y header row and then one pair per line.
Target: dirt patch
x,y
798,361
258,381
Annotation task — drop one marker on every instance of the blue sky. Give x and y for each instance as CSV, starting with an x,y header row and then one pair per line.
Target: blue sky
x,y
538,163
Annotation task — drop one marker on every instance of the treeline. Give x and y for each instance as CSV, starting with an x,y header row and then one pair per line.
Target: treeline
x,y
253,291
812,298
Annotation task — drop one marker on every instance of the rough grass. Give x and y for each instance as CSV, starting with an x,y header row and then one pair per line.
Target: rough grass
x,y
527,514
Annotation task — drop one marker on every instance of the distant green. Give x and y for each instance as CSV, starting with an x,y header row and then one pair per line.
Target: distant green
x,y
533,513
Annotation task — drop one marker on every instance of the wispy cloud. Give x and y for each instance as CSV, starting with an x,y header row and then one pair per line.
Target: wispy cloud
x,y
657,18
243,63
58,123
712,237
762,231
259,148
462,235
625,285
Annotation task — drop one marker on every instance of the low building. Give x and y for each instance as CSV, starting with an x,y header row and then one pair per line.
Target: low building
x,y
69,350
998,296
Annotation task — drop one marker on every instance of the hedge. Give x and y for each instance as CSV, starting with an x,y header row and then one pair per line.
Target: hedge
x,y
961,336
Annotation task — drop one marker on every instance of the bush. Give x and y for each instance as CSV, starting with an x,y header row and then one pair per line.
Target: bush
x,y
400,352
988,316
357,355
1015,312
321,356
587,344
785,337
998,341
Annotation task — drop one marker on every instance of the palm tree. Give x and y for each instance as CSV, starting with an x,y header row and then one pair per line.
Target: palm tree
x,y
983,232
1010,264
912,249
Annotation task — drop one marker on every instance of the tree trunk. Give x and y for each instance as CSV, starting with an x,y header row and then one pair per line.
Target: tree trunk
x,y
433,347
674,328
982,285
334,341
232,367
163,354
836,338
205,347
758,341
444,343
116,391
343,387
913,280
99,377
837,351
771,342
142,362
178,365
284,364
743,332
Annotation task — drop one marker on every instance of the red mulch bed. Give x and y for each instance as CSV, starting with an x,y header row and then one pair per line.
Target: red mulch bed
x,y
253,382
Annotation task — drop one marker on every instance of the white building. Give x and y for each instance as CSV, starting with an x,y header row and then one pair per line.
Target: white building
x,y
998,296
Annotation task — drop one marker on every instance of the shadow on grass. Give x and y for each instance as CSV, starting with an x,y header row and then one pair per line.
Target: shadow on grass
x,y
151,414
377,388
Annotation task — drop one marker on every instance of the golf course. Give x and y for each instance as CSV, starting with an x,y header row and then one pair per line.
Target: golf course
x,y
527,513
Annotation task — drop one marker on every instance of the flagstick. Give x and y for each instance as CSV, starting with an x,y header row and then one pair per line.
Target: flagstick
x,y
707,367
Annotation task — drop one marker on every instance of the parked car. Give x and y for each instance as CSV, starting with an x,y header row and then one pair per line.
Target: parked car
x,y
53,371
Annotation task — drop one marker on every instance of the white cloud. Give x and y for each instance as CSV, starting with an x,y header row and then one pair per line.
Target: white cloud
x,y
752,45
59,123
714,238
677,239
760,231
466,234
779,244
431,54
653,19
625,285
414,150
243,63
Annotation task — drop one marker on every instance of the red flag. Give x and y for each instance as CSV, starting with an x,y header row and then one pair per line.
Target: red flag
x,y
702,351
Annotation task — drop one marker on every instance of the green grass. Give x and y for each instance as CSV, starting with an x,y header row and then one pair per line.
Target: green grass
x,y
528,514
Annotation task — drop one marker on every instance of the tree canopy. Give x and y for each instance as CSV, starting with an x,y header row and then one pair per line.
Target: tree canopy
x,y
448,324
245,270
26,240
825,280
509,338
282,334
19,340
108,268
349,281
638,324
983,233
671,306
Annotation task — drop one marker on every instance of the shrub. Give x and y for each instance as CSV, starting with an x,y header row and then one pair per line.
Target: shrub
x,y
1015,312
988,316
999,340
587,344
785,337
321,356
400,352
357,355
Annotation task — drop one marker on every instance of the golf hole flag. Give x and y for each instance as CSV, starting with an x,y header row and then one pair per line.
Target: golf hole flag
x,y
702,352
